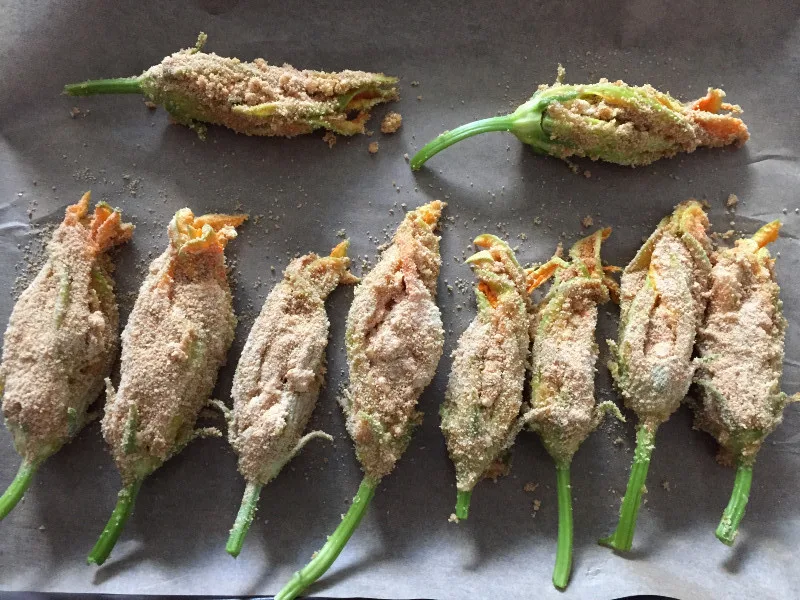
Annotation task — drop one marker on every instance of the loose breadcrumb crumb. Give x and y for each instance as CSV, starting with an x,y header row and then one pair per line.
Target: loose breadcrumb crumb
x,y
732,201
587,221
329,138
391,122
373,148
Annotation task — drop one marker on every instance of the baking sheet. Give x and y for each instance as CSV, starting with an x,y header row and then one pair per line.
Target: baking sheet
x,y
470,59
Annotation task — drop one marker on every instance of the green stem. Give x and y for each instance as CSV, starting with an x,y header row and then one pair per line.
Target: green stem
x,y
563,567
243,520
120,85
448,138
17,489
732,516
622,538
113,529
462,504
324,558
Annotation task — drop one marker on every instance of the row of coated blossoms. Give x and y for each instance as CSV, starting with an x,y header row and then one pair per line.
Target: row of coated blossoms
x,y
678,297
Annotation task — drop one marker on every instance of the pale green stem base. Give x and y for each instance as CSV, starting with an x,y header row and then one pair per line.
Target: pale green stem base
x,y
734,512
563,567
105,544
17,488
333,547
462,504
244,519
120,85
453,136
622,538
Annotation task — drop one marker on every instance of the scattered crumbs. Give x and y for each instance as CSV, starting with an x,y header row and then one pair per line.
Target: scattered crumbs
x,y
42,528
415,84
537,504
391,122
419,98
665,484
150,105
341,233
329,138
587,173
732,201
373,148
75,112
704,203
530,487
572,166
587,221
452,518
405,156
537,221
618,441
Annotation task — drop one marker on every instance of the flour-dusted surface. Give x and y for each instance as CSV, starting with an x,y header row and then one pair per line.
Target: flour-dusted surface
x,y
303,195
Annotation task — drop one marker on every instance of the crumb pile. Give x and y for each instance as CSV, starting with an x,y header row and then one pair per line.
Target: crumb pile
x,y
481,410
63,335
391,122
394,339
176,338
282,365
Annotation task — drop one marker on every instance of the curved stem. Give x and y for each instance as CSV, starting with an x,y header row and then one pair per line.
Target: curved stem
x,y
732,516
243,520
462,504
563,567
327,554
448,138
622,538
17,488
115,525
120,85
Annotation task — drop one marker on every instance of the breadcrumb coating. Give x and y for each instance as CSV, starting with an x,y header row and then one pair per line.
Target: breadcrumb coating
x,y
638,125
741,345
664,291
256,98
394,341
282,365
481,410
563,410
63,334
176,339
